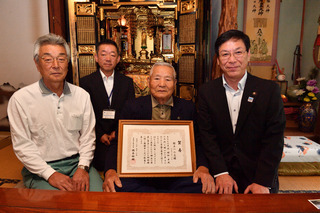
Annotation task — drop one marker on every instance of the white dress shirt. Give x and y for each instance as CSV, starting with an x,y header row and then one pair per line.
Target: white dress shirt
x,y
108,84
46,127
234,98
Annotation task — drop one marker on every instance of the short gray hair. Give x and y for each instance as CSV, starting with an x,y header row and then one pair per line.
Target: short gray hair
x,y
50,39
157,64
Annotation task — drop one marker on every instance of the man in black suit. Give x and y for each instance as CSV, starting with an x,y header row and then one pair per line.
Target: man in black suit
x,y
241,122
108,91
160,105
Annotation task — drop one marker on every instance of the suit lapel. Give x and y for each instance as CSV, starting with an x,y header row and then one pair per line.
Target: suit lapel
x,y
248,100
175,110
99,88
146,108
222,105
116,89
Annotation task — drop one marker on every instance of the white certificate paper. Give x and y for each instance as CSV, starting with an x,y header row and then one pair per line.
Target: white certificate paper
x,y
157,149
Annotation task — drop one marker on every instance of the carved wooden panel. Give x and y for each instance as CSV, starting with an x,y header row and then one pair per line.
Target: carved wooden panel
x,y
186,91
86,30
87,49
87,65
188,6
186,69
187,28
187,49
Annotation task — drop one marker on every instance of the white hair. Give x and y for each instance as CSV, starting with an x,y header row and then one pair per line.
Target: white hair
x,y
163,64
50,39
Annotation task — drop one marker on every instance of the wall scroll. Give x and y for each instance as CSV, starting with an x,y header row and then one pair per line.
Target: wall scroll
x,y
261,20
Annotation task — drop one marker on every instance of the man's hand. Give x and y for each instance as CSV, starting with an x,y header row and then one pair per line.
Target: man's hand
x,y
110,178
207,180
106,139
256,189
61,181
81,180
225,184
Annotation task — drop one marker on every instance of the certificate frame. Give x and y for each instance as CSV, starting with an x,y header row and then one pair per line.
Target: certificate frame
x,y
170,132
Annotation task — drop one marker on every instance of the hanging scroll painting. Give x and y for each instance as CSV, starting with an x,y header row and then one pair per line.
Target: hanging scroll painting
x,y
261,20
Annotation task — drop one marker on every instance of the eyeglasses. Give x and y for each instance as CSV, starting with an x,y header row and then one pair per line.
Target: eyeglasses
x,y
224,55
49,59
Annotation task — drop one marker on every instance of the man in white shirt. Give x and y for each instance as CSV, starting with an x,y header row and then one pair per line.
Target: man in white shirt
x,y
109,90
241,122
52,125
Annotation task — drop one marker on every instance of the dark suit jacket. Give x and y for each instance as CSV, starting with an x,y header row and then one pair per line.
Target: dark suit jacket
x,y
141,109
122,91
258,140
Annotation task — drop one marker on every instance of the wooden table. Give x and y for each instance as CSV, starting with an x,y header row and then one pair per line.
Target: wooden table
x,y
30,200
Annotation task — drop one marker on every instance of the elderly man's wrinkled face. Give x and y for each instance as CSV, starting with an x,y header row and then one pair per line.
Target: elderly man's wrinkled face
x,y
162,83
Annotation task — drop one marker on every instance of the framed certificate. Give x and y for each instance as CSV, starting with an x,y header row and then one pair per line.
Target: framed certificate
x,y
154,148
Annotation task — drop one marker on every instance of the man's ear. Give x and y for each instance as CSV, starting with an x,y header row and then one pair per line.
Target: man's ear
x,y
37,64
96,57
249,55
148,80
118,59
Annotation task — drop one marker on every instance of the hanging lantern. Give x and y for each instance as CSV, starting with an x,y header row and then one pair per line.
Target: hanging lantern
x,y
122,21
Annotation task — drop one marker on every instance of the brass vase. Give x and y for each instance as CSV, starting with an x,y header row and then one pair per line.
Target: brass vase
x,y
307,117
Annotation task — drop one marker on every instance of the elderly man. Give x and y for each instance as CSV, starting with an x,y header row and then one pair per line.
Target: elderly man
x,y
109,90
52,125
160,105
241,122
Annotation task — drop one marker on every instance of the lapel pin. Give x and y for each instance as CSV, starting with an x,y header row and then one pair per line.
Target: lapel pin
x,y
250,99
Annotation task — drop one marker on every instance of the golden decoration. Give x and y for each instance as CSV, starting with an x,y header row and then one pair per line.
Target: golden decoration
x,y
188,6
187,49
85,9
87,49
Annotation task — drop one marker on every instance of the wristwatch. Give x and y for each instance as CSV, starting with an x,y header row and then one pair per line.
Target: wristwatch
x,y
86,168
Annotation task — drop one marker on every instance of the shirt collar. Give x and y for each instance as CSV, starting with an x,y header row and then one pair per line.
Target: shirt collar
x,y
45,90
105,77
156,103
241,83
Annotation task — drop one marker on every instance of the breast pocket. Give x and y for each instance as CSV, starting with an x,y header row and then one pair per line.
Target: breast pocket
x,y
74,122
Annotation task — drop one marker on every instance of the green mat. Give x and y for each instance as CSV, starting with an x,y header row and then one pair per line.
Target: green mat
x,y
299,169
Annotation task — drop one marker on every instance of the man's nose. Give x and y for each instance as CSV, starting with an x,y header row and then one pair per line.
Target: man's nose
x,y
108,57
55,62
232,58
162,82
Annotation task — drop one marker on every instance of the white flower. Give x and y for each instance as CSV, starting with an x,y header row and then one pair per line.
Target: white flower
x,y
299,92
310,88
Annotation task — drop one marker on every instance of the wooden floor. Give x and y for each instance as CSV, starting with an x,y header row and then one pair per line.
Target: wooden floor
x,y
10,168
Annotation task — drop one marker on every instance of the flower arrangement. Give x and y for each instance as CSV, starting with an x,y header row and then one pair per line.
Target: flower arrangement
x,y
308,91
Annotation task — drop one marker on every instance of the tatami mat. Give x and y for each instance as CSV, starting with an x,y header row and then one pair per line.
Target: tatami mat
x,y
304,183
10,166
